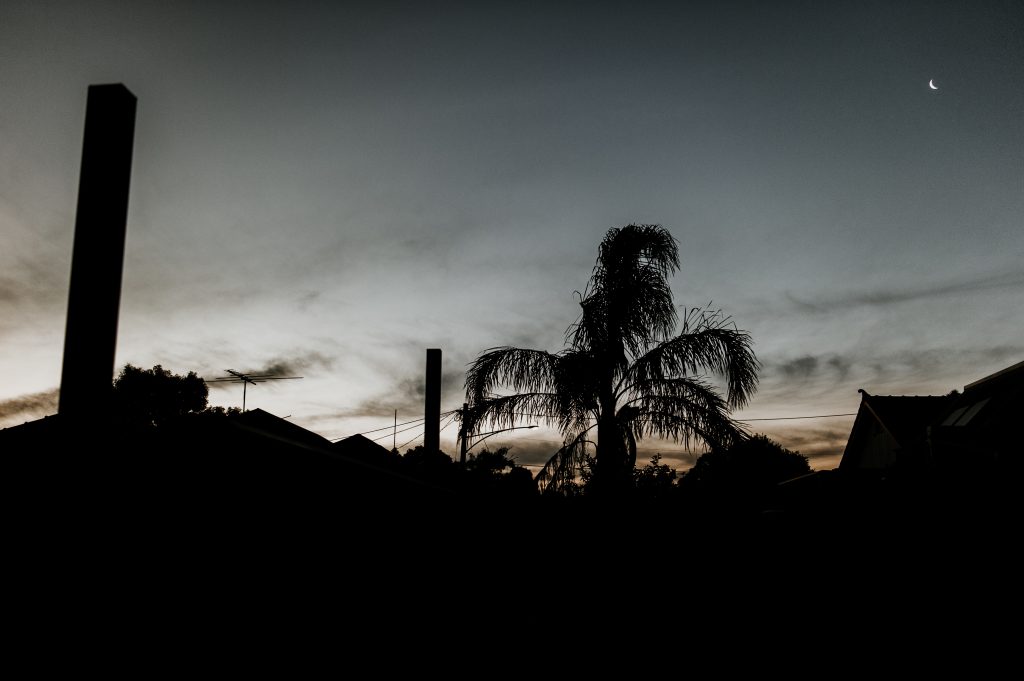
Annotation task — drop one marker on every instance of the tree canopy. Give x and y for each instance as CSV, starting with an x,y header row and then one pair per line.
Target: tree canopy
x,y
153,397
753,463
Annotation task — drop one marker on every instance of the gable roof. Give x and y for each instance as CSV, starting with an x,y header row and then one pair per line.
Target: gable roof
x,y
905,417
891,428
978,421
359,446
275,427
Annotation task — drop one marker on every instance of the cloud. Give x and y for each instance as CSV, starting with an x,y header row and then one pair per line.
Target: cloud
x,y
307,299
840,365
810,372
881,298
10,290
29,405
27,289
530,453
284,366
800,368
902,373
816,438
804,381
406,394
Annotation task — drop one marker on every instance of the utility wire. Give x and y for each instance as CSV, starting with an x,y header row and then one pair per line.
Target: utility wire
x,y
450,420
412,440
381,437
393,425
454,412
790,418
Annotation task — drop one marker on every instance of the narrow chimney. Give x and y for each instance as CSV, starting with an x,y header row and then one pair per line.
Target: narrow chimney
x,y
432,402
90,337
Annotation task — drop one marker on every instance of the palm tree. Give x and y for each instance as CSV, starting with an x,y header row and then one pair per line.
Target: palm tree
x,y
623,376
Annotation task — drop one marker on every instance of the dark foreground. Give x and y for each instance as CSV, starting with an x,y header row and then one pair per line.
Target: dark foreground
x,y
194,519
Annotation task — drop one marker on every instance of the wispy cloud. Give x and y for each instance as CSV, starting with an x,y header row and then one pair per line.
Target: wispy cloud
x,y
800,368
32,278
532,453
10,290
28,287
406,394
29,406
810,376
892,296
816,439
808,373
286,366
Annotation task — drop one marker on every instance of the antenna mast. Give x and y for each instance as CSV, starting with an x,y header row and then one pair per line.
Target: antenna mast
x,y
246,379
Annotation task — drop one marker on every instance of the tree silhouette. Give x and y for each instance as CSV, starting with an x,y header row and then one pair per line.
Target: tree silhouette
x,y
431,465
623,375
748,466
148,399
655,479
496,473
153,397
490,463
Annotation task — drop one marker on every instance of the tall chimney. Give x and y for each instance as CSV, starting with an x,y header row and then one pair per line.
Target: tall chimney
x,y
432,402
90,337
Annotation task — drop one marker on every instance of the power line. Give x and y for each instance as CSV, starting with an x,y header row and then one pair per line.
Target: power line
x,y
390,426
454,412
403,430
412,440
451,420
790,418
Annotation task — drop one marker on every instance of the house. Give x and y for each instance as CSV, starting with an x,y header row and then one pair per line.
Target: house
x,y
892,431
982,423
911,432
200,465
362,448
943,467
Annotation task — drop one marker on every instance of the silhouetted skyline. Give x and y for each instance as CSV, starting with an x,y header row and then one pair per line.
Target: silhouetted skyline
x,y
332,190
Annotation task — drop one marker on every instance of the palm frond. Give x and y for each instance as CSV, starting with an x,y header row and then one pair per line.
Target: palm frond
x,y
680,409
560,390
709,343
506,411
518,368
628,301
650,245
560,473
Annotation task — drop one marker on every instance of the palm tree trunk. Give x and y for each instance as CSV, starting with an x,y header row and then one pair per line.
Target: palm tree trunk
x,y
610,474
610,460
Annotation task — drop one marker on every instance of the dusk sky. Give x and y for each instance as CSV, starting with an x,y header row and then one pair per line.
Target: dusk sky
x,y
329,189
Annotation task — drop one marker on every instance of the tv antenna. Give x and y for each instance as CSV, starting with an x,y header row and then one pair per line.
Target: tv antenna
x,y
246,379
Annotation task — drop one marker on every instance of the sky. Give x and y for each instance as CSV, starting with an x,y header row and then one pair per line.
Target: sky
x,y
328,189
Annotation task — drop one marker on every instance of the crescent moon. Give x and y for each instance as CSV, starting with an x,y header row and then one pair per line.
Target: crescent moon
x,y
931,84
